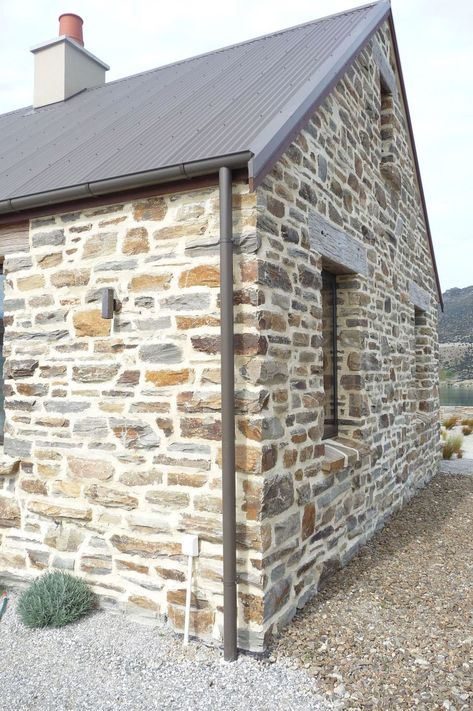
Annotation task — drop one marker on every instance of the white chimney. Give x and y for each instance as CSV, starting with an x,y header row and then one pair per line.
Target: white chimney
x,y
62,67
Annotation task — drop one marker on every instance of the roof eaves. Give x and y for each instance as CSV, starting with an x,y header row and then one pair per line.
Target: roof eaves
x,y
276,136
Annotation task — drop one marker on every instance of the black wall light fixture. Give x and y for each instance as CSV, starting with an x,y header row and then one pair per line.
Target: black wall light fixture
x,y
109,305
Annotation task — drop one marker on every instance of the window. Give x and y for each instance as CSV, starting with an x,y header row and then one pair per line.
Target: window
x,y
329,347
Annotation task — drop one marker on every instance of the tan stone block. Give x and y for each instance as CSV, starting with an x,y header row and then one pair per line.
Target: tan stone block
x,y
253,499
202,275
33,486
59,512
182,230
166,499
10,516
131,565
170,573
50,260
247,459
8,466
72,277
66,488
97,564
201,621
79,468
48,470
136,241
116,407
150,282
207,527
201,428
143,602
36,281
112,497
52,422
166,378
12,560
211,375
186,479
91,323
187,322
137,478
100,245
144,548
253,607
154,208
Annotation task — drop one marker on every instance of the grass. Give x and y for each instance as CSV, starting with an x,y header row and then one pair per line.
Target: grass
x,y
452,445
450,422
54,600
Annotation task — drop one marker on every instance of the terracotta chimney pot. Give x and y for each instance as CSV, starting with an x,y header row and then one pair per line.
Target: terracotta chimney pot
x,y
71,26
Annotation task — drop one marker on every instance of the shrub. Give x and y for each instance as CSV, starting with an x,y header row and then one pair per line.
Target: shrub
x,y
468,422
54,600
466,429
447,450
457,443
450,422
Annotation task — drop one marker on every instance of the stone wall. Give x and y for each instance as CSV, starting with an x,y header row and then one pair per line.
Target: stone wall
x,y
117,423
352,165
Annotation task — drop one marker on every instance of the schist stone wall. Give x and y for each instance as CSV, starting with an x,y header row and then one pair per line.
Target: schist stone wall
x,y
346,187
113,427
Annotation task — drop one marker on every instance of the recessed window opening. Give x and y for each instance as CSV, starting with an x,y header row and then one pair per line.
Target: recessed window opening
x,y
329,348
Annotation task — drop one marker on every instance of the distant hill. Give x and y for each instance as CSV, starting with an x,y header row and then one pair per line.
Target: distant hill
x,y
456,335
456,322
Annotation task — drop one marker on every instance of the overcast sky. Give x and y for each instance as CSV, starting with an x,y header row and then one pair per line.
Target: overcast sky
x,y
435,39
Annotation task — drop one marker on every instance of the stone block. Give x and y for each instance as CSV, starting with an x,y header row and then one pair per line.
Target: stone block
x,y
91,323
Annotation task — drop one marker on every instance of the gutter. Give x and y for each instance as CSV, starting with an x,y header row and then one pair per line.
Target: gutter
x,y
181,171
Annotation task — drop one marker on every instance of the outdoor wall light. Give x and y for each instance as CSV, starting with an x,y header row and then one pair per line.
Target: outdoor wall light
x,y
109,304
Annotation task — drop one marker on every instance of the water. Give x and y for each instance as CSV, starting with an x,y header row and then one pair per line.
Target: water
x,y
456,396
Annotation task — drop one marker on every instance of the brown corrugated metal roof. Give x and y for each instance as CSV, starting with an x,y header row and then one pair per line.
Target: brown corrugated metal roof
x,y
247,97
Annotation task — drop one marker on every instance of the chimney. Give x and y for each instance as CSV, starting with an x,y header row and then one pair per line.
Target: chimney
x,y
63,67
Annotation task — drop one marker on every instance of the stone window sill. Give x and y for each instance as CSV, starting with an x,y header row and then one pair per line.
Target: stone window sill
x,y
342,452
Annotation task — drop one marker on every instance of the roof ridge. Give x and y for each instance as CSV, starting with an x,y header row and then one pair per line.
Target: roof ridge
x,y
240,44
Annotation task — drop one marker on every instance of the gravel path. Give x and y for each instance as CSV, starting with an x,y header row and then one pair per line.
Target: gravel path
x,y
457,466
107,662
394,629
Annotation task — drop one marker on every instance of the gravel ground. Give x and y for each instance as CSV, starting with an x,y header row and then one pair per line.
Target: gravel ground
x,y
457,466
394,629
110,662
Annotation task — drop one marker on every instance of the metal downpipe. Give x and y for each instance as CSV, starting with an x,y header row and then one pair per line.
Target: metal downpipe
x,y
228,418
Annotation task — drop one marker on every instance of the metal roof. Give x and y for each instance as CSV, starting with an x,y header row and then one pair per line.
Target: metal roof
x,y
249,97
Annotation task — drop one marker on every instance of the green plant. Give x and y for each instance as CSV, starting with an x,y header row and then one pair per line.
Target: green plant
x,y
450,422
54,600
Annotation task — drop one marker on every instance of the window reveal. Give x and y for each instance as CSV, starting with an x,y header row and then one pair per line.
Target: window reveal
x,y
329,348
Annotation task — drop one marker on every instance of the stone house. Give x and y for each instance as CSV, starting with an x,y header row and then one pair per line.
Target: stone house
x,y
220,306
